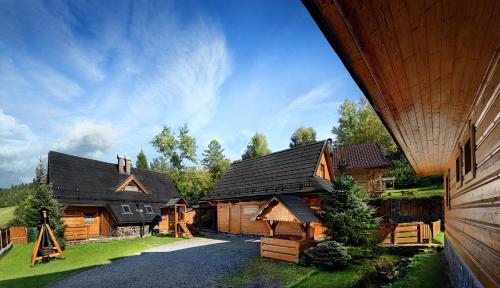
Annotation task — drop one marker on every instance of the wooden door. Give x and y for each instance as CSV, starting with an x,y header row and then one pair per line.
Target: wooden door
x,y
92,218
223,217
104,222
234,220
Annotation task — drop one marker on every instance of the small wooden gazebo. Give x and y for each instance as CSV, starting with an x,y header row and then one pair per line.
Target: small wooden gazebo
x,y
292,209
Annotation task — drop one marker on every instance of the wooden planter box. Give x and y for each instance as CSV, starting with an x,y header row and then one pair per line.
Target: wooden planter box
x,y
284,249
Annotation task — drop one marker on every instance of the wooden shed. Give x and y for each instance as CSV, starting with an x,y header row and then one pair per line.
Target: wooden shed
x,y
286,209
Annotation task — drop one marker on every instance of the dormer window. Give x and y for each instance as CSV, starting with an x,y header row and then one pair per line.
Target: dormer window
x,y
126,209
322,171
148,209
132,184
131,187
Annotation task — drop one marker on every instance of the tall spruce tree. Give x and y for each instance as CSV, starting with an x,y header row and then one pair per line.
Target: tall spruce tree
x,y
142,161
349,219
214,160
26,214
256,147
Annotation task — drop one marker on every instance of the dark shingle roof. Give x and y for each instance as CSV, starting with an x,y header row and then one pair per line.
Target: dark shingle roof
x,y
360,156
287,171
81,181
294,204
299,208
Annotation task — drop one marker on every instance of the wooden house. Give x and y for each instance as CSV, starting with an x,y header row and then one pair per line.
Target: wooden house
x,y
365,163
304,172
431,70
107,199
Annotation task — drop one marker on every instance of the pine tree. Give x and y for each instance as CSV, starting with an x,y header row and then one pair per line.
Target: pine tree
x,y
142,161
349,219
214,160
27,214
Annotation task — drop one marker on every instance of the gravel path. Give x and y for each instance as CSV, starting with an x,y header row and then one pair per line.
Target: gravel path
x,y
198,262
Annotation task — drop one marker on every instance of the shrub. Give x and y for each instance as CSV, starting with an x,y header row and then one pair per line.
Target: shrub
x,y
328,254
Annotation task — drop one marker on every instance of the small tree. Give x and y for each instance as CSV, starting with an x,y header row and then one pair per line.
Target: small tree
x,y
256,147
26,214
302,136
348,218
142,161
214,160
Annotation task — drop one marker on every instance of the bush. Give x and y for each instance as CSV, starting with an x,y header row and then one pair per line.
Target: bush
x,y
327,254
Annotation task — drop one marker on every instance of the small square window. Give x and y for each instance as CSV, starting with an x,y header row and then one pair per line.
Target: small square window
x,y
148,209
89,217
126,209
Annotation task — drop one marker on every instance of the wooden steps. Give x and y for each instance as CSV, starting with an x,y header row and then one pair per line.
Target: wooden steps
x,y
186,229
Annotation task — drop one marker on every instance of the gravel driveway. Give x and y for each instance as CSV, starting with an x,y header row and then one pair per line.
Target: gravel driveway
x,y
198,262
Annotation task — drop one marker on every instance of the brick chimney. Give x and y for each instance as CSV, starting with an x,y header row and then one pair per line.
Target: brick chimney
x,y
121,164
128,165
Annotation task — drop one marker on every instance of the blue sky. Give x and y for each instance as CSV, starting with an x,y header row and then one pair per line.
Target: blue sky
x,y
98,78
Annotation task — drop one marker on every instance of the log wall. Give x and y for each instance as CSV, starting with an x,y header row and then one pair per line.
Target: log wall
x,y
472,208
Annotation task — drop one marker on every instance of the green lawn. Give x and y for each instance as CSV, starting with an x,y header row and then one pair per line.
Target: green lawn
x,y
426,269
15,269
262,272
422,192
6,214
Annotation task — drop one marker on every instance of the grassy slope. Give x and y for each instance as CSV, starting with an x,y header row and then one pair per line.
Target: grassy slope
x,y
262,272
16,271
422,192
427,268
6,214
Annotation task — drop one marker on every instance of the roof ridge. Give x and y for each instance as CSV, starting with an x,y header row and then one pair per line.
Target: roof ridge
x,y
103,162
280,151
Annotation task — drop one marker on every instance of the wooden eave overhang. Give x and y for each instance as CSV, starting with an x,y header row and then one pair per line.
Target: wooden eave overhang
x,y
421,64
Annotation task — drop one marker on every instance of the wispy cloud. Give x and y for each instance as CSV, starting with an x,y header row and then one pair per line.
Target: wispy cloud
x,y
317,100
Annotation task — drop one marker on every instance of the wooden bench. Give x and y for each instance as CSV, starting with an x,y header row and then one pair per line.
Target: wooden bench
x,y
77,232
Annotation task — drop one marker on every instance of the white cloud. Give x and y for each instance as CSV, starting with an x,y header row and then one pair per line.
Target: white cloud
x,y
15,138
88,138
17,148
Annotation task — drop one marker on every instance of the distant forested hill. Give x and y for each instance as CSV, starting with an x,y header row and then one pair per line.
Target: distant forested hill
x,y
14,195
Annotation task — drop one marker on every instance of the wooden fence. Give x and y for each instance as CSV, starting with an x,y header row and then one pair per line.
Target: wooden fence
x,y
405,233
77,232
409,210
436,228
18,235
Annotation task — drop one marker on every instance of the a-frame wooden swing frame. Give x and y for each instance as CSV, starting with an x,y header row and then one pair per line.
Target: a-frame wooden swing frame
x,y
36,250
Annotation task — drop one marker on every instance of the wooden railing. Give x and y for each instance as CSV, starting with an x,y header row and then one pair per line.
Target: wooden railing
x,y
77,232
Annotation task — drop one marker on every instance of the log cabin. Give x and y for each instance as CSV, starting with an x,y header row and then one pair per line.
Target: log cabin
x,y
365,163
103,199
431,71
303,172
